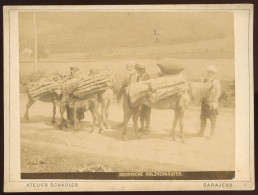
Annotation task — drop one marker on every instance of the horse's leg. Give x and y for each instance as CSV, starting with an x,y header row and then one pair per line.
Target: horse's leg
x,y
107,115
28,105
99,119
181,122
54,113
176,117
142,117
98,116
62,110
103,110
148,114
125,105
93,118
127,116
78,121
75,119
135,121
128,113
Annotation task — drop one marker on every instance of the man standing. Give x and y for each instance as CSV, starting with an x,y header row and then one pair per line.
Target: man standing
x,y
129,79
74,74
146,111
209,108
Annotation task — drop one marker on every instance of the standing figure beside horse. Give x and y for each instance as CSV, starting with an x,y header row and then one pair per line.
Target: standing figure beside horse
x,y
209,108
142,75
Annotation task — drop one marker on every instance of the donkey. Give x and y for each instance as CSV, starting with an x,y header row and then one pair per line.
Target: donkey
x,y
75,105
105,98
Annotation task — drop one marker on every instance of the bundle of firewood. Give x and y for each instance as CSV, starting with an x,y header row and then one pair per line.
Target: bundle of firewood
x,y
166,86
92,84
44,86
157,89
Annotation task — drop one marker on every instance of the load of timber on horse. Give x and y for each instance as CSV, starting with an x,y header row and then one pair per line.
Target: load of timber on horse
x,y
44,86
170,91
45,90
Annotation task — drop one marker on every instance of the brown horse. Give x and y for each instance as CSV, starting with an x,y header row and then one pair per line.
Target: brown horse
x,y
176,102
76,105
105,98
51,97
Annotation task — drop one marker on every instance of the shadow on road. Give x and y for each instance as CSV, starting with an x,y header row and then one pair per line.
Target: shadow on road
x,y
115,132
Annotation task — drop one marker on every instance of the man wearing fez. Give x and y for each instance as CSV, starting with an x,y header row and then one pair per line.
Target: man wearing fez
x,y
146,111
209,108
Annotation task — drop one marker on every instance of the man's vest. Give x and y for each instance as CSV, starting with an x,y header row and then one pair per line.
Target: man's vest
x,y
213,93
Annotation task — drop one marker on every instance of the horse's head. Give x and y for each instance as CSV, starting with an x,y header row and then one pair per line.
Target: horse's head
x,y
119,84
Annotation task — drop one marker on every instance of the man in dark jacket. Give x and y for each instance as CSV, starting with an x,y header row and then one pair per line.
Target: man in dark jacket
x,y
146,111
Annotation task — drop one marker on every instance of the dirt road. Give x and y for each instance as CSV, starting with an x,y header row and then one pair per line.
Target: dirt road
x,y
46,148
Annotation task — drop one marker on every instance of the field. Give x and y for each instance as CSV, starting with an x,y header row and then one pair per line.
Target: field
x,y
46,148
195,69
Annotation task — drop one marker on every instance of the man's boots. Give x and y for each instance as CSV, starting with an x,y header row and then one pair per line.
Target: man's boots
x,y
203,125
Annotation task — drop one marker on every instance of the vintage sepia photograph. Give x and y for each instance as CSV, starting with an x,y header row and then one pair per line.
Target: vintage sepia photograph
x,y
126,94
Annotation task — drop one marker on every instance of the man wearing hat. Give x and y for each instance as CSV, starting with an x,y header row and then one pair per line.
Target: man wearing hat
x,y
209,108
130,78
74,72
146,111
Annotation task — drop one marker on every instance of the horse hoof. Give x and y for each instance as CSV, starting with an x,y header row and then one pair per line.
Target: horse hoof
x,y
53,121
